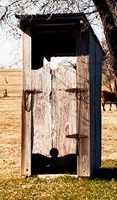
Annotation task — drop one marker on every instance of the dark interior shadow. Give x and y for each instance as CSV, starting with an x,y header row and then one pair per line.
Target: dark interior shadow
x,y
106,174
54,164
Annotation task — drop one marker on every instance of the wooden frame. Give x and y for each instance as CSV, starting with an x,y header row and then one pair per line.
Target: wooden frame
x,y
88,81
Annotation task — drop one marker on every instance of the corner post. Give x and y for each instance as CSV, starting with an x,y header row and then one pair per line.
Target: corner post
x,y
83,104
26,106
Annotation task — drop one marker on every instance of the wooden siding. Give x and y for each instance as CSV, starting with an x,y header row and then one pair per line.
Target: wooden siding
x,y
83,112
41,120
54,110
61,109
26,106
64,110
95,101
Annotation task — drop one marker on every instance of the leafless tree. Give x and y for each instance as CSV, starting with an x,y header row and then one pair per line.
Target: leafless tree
x,y
8,11
108,13
107,10
108,75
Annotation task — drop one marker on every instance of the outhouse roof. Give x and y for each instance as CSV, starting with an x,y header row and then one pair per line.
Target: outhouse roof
x,y
38,22
66,23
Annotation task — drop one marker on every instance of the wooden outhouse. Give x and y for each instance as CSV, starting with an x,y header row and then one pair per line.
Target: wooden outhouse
x,y
61,109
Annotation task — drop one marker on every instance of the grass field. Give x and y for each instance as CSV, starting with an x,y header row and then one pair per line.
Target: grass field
x,y
10,122
62,188
109,134
13,187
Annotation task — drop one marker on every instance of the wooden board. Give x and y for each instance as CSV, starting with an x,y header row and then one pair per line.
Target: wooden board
x,y
53,119
83,110
54,110
95,62
26,106
64,110
41,117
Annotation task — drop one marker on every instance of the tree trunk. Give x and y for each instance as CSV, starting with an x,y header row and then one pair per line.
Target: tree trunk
x,y
107,11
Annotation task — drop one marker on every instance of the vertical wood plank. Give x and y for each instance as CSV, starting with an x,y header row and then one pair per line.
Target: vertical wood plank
x,y
83,110
99,60
64,110
41,111
95,82
26,104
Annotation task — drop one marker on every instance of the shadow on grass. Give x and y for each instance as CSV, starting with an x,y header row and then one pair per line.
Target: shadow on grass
x,y
107,173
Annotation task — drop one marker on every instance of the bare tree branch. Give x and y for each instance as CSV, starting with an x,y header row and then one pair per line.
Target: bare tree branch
x,y
106,8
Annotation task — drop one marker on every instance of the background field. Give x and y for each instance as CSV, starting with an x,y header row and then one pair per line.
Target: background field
x,y
10,125
10,122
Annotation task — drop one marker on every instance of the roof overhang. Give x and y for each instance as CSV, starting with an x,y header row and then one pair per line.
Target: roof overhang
x,y
72,23
52,20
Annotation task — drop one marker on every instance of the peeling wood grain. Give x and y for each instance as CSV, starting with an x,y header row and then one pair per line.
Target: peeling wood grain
x,y
64,110
54,110
26,118
83,111
41,139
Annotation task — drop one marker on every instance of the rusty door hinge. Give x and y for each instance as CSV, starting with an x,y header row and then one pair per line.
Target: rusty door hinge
x,y
77,90
77,136
33,91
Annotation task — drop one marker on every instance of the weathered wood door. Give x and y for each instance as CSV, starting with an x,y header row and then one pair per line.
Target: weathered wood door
x,y
54,116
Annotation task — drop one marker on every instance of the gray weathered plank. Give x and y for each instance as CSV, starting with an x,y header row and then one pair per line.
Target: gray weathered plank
x,y
64,110
26,103
41,119
83,112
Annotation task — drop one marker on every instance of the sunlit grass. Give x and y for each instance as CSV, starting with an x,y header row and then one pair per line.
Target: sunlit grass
x,y
62,188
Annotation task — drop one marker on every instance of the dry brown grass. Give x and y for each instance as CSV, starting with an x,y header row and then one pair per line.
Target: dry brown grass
x,y
10,122
10,125
109,134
